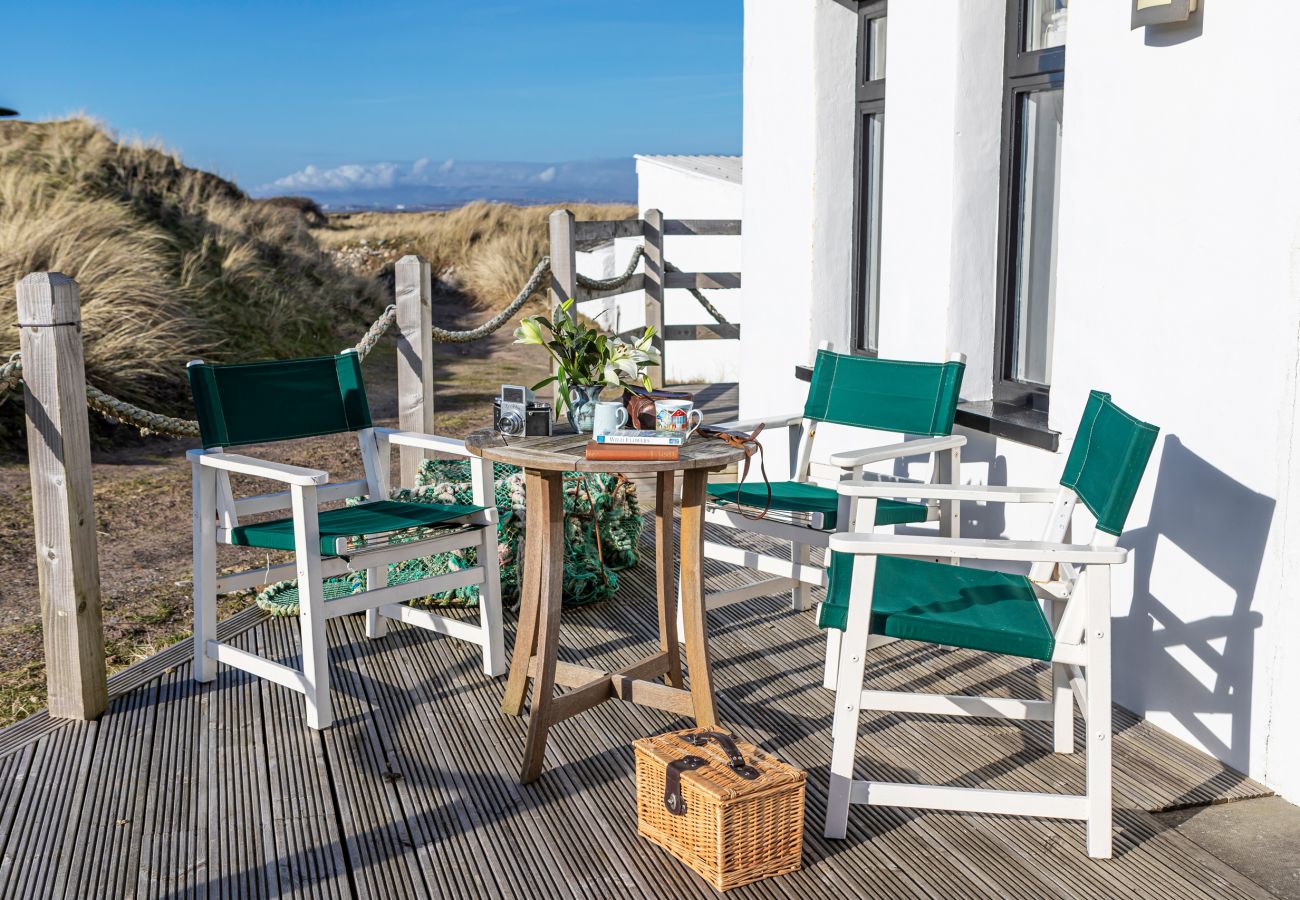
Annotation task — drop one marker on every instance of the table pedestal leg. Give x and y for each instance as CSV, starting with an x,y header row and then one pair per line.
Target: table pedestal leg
x,y
547,530
666,577
512,702
693,617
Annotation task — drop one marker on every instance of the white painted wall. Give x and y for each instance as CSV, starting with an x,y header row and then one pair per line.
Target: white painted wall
x,y
1178,290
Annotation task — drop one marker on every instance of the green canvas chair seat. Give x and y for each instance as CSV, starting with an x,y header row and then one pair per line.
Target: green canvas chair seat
x,y
380,517
959,606
805,497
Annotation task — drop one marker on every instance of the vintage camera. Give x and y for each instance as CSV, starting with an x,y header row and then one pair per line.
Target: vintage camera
x,y
518,414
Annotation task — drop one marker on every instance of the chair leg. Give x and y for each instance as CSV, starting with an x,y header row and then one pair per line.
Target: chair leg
x,y
848,696
204,668
830,675
315,658
801,595
376,623
311,608
1062,695
1098,759
1062,709
489,605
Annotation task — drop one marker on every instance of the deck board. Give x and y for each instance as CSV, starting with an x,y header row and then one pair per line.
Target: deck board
x,y
221,790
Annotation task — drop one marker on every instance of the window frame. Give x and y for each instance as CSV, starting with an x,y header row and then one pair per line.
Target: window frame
x,y
1025,73
869,100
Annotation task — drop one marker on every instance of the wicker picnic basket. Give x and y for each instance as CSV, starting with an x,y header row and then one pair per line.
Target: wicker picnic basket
x,y
728,810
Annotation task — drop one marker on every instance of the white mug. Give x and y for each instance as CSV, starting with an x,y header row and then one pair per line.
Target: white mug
x,y
677,415
610,417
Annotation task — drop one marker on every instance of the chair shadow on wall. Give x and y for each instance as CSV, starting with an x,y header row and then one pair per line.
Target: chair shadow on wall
x,y
1198,672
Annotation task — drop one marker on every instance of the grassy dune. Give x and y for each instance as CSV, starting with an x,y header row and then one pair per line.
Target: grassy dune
x,y
173,263
485,250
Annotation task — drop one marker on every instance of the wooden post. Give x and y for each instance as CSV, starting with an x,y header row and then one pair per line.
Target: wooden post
x,y
564,269
58,457
653,236
414,283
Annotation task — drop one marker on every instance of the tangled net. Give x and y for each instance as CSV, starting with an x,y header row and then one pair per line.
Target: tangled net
x,y
607,503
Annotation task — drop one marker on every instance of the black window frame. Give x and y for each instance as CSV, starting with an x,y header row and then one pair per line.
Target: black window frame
x,y
1025,72
869,100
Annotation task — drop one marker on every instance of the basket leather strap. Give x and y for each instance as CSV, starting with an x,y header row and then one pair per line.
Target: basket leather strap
x,y
674,802
735,759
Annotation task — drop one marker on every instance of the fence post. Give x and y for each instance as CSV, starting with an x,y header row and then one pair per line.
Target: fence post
x,y
564,271
414,284
653,237
63,503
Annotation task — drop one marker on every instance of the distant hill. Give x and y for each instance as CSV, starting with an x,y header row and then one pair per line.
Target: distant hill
x,y
427,184
174,263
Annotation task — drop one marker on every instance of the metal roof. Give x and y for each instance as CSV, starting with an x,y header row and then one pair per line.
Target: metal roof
x,y
719,168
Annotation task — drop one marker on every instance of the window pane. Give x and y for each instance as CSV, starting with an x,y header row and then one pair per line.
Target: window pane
x,y
1045,23
873,145
1038,180
877,32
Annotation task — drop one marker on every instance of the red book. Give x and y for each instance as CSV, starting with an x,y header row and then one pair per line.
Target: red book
x,y
631,452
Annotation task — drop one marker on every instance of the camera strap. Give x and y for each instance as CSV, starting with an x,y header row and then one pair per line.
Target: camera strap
x,y
749,443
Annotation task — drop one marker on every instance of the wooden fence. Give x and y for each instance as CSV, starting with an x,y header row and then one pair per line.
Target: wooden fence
x,y
568,235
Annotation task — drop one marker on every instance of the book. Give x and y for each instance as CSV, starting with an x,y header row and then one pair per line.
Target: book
x,y
606,452
632,436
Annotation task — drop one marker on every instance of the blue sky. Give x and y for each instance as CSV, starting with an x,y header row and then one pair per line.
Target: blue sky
x,y
257,91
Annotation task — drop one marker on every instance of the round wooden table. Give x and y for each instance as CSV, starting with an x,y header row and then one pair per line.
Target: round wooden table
x,y
544,461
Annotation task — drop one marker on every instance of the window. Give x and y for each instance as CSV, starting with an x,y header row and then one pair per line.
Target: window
x,y
868,172
1031,168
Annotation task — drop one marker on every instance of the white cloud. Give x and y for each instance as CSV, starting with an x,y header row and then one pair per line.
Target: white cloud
x,y
546,176
353,175
420,165
446,166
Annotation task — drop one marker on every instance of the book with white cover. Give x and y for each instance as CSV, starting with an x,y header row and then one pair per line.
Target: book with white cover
x,y
667,438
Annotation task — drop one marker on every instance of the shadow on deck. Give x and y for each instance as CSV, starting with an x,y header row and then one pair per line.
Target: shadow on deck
x,y
221,790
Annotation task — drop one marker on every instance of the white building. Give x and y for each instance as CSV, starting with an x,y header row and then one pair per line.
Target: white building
x,y
1095,205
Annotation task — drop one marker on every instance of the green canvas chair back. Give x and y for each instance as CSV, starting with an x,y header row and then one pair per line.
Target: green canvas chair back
x,y
1105,466
278,400
884,394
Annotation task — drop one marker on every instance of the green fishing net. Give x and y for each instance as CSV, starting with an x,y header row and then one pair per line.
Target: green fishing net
x,y
592,502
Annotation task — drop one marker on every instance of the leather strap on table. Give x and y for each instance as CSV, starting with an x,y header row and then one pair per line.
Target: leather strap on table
x,y
749,443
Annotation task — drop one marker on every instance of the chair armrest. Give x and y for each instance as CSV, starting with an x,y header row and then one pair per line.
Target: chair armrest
x,y
424,441
852,458
908,490
970,548
781,421
259,468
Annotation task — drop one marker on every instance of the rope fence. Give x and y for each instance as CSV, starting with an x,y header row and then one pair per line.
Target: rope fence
x,y
148,422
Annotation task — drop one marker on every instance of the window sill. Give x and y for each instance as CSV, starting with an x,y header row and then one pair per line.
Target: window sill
x,y
1014,423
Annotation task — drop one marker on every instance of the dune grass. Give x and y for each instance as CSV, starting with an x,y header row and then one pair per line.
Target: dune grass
x,y
173,263
485,250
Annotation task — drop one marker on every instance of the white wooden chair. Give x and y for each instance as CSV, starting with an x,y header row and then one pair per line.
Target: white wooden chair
x,y
885,588
880,395
264,402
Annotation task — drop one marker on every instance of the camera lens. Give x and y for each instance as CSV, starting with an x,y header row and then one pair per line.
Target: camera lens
x,y
510,423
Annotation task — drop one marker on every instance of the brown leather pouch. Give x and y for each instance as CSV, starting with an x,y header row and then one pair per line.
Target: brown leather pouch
x,y
640,405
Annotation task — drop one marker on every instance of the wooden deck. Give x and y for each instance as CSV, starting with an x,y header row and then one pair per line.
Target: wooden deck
x,y
185,790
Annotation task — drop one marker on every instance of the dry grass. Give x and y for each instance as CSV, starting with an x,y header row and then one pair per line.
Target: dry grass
x,y
487,250
173,263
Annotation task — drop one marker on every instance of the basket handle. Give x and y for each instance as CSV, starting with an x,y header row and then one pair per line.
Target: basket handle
x,y
735,759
